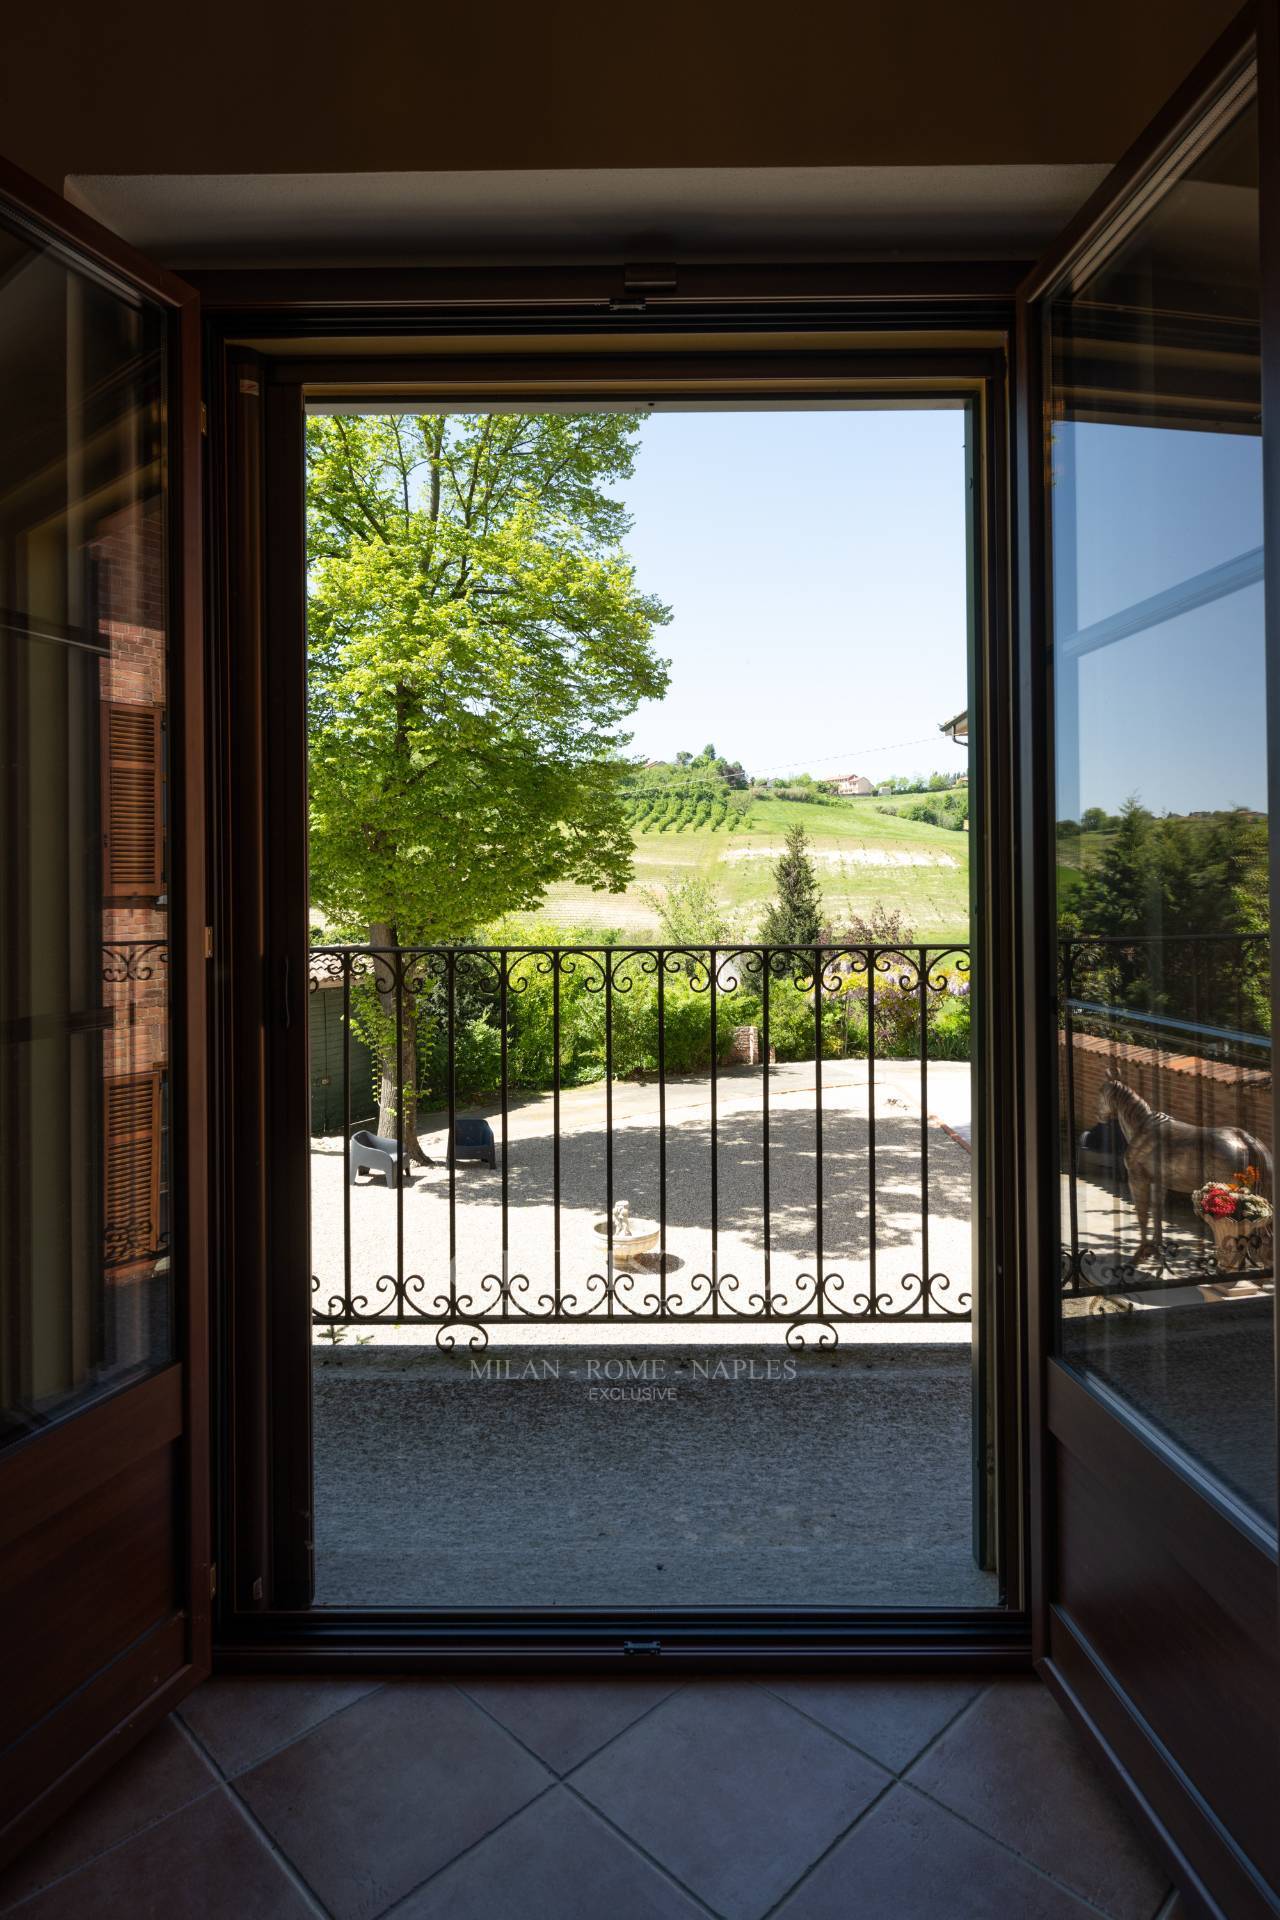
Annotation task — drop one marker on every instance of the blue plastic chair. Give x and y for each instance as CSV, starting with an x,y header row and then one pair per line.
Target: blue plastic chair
x,y
473,1140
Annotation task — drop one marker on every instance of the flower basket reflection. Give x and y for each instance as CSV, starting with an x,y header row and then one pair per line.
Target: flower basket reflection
x,y
1241,1220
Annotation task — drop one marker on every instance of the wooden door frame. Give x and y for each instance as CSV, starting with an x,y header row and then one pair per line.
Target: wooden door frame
x,y
1073,1419
105,1716
956,345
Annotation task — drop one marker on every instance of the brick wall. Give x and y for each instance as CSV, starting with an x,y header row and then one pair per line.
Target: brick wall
x,y
128,556
1207,1093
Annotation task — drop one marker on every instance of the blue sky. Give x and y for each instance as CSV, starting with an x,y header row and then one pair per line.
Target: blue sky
x,y
1176,713
815,565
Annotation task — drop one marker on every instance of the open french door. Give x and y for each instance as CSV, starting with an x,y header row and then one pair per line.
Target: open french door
x,y
105,1571
1150,583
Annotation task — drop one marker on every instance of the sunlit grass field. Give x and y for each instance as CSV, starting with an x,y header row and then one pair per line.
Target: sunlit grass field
x,y
864,857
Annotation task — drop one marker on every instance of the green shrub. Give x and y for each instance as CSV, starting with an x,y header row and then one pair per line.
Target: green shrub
x,y
949,1024
532,992
477,1059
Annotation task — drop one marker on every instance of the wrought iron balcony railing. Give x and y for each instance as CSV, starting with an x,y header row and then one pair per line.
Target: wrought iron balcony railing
x,y
767,1109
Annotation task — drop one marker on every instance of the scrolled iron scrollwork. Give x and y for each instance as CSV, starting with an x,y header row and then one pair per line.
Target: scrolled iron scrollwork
x,y
626,964
898,967
695,963
588,969
811,1333
128,961
447,1335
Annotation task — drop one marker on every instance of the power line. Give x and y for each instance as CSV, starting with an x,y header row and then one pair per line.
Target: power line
x,y
894,746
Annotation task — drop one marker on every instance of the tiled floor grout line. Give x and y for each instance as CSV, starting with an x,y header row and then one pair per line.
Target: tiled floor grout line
x,y
224,1785
261,1759
595,1752
891,1782
895,1779
565,1780
221,1782
936,1738
272,1846
1041,1873
197,1745
668,1873
903,1779
995,1840
864,1753
831,1846
556,1780
92,1859
388,1913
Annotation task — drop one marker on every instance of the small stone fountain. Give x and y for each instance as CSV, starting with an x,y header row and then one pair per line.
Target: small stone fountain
x,y
631,1238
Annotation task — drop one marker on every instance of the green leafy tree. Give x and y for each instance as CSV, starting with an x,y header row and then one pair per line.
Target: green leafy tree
x,y
795,917
476,641
691,914
1176,886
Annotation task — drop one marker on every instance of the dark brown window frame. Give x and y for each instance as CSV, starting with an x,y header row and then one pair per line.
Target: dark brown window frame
x,y
860,334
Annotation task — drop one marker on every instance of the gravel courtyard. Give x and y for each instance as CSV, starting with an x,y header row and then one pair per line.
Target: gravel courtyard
x,y
638,1463
421,1216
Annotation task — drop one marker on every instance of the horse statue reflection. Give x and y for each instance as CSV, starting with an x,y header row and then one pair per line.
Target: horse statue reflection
x,y
1161,1152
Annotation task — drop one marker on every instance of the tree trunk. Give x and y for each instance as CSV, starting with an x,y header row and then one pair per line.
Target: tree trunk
x,y
393,1084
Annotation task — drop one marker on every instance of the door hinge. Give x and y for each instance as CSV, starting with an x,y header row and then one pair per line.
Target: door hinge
x,y
204,418
213,1580
208,943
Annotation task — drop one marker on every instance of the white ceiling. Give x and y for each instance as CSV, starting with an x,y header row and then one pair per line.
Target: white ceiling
x,y
628,214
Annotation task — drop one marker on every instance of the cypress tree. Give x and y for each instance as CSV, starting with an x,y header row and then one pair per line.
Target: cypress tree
x,y
795,917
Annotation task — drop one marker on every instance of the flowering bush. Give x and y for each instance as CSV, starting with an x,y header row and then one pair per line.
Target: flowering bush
x,y
1234,1199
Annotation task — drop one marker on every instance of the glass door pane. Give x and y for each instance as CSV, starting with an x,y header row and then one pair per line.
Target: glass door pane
x,y
1159,677
85,1276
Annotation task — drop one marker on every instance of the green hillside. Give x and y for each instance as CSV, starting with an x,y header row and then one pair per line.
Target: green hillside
x,y
864,858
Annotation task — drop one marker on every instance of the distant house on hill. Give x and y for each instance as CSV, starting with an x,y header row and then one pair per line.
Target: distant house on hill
x,y
852,783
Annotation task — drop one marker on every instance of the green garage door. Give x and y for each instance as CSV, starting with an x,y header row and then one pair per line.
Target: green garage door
x,y
325,1011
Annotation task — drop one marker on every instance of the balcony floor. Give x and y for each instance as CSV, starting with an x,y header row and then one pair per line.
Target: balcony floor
x,y
845,1480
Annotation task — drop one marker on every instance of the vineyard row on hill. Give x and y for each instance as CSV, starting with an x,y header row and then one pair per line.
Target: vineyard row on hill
x,y
655,810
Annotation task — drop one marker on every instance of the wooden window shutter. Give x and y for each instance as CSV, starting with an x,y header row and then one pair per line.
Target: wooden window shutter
x,y
133,1119
132,802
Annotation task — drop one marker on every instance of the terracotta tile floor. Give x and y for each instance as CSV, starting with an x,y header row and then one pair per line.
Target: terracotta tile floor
x,y
811,1799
